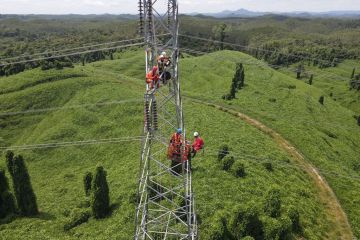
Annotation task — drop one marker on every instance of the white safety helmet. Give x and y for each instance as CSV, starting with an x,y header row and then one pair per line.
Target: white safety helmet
x,y
163,54
196,134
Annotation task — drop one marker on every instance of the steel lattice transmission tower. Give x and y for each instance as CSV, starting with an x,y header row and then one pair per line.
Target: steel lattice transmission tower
x,y
166,206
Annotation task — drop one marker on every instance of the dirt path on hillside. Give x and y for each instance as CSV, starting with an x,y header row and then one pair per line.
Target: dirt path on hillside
x,y
340,225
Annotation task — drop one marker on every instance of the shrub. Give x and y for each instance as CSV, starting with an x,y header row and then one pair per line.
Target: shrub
x,y
100,200
273,203
286,227
294,217
248,238
353,73
311,79
268,166
227,163
239,169
9,157
358,120
77,217
273,100
271,228
7,201
277,228
25,196
87,183
217,230
246,222
321,100
223,151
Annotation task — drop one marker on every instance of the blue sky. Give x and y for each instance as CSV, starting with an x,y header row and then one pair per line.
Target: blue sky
x,y
186,6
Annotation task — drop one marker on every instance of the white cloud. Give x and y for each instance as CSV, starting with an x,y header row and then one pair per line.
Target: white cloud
x,y
130,6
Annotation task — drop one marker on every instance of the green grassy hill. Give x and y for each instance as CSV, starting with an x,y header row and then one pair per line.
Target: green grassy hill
x,y
334,82
326,135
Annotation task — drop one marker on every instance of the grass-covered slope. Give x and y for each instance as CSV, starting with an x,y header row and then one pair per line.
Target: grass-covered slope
x,y
57,173
334,82
327,135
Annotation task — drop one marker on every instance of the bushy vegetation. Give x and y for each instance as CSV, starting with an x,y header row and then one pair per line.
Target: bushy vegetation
x,y
77,217
238,169
227,163
7,200
100,201
25,196
237,83
273,203
87,183
223,151
246,222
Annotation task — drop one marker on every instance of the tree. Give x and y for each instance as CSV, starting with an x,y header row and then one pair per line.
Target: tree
x,y
228,161
87,183
242,78
232,94
321,100
268,166
277,228
353,73
9,157
294,216
246,222
237,82
223,151
239,77
311,79
239,169
25,196
220,33
7,201
299,70
358,120
217,230
100,200
273,203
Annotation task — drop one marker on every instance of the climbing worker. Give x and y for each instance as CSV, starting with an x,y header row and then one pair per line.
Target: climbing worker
x,y
163,62
174,151
198,144
152,78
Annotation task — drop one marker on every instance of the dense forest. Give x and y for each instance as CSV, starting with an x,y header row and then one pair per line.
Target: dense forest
x,y
279,40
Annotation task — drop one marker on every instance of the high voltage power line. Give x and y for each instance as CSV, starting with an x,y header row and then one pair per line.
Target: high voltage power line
x,y
70,49
256,48
72,54
77,48
325,75
73,143
39,110
261,160
138,44
271,51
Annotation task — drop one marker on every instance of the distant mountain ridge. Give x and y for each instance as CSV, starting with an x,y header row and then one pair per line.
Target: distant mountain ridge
x,y
246,13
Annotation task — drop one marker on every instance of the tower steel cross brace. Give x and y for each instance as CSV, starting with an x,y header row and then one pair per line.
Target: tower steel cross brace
x,y
165,202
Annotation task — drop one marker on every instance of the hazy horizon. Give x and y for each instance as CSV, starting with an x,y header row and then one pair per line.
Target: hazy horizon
x,y
186,6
